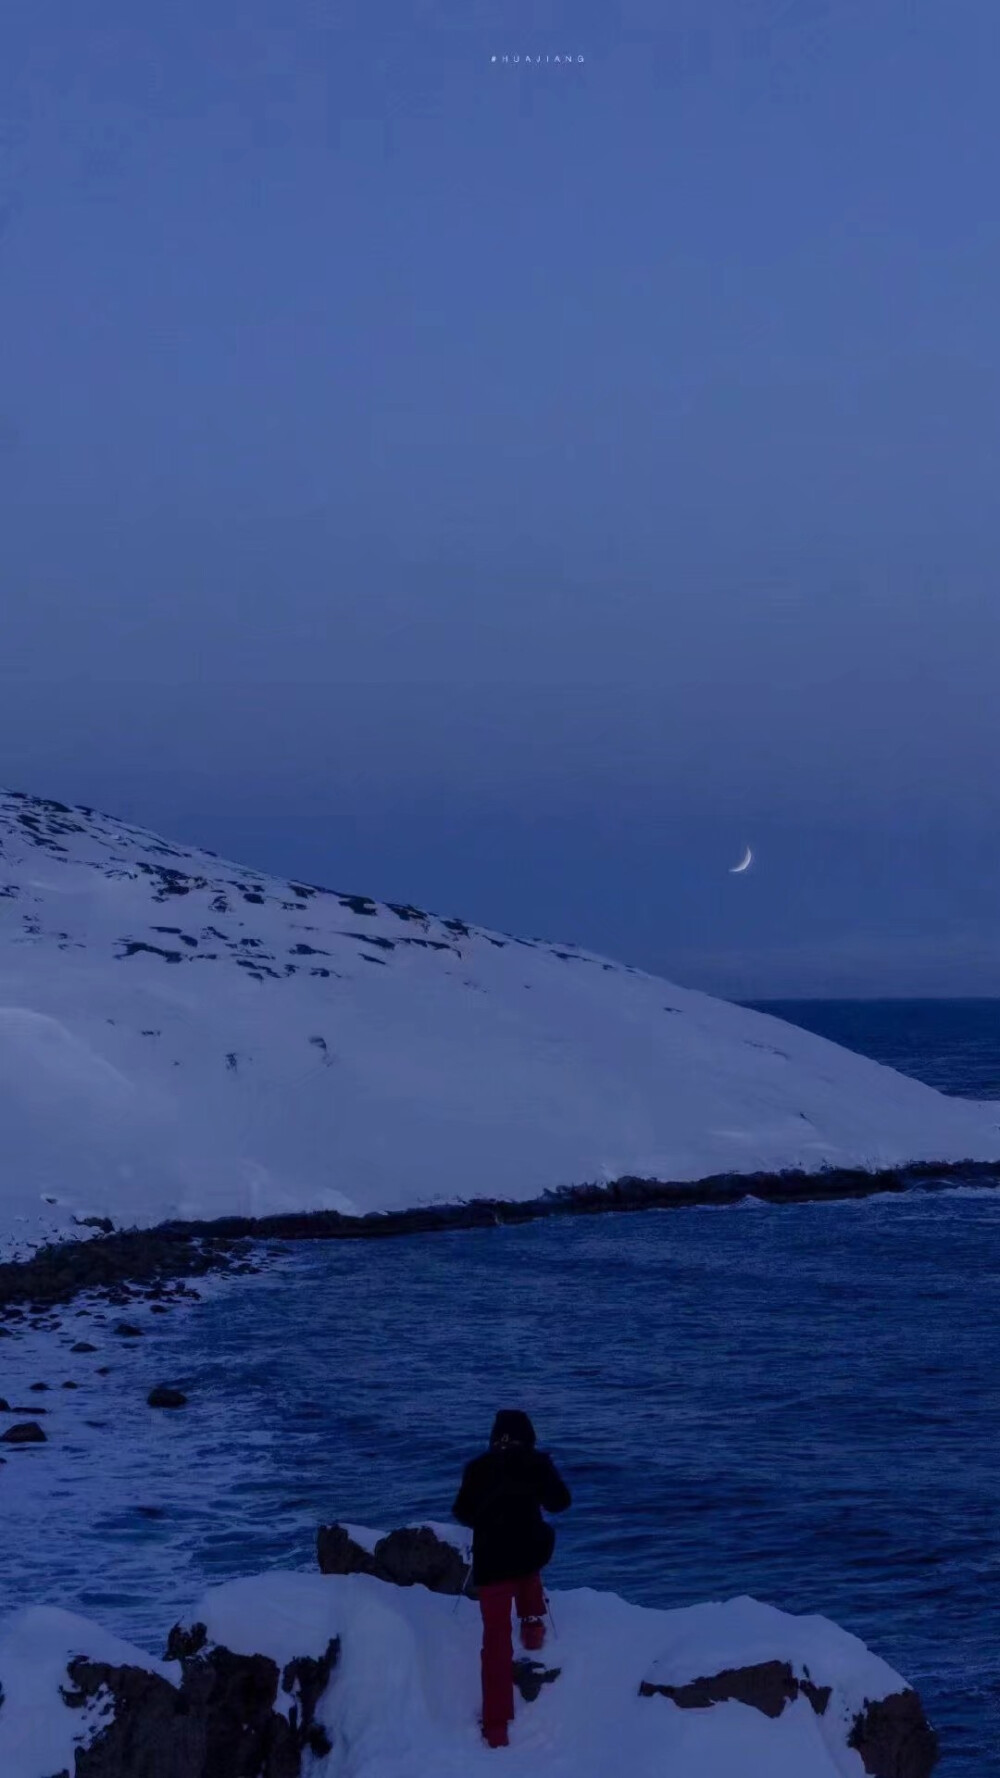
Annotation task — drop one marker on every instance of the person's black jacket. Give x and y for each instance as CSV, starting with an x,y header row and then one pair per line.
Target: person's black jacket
x,y
503,1495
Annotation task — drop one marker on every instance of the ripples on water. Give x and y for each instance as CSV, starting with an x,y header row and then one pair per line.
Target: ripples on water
x,y
797,1403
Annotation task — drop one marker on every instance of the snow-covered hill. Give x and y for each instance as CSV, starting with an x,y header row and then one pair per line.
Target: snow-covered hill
x,y
184,1037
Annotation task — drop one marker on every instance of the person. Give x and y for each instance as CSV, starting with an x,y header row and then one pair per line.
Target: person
x,y
503,1495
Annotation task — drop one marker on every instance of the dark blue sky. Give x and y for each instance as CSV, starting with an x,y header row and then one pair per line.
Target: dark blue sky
x,y
513,489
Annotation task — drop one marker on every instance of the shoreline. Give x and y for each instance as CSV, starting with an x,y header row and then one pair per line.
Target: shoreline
x,y
122,1260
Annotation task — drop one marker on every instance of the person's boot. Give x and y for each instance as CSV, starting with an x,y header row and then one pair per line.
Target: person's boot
x,y
495,1734
532,1634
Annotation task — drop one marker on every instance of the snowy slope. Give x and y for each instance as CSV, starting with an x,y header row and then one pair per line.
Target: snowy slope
x,y
403,1698
182,1036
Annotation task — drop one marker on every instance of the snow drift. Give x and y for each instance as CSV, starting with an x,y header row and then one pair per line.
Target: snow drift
x,y
184,1038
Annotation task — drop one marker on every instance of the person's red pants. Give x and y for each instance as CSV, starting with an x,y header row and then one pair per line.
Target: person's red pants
x,y
498,1646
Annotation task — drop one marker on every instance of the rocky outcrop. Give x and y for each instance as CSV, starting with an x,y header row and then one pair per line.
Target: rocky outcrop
x,y
164,1396
892,1735
767,1687
222,1721
27,1432
415,1556
141,1724
124,1267
894,1738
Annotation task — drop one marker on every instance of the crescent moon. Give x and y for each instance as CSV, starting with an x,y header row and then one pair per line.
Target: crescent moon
x,y
744,864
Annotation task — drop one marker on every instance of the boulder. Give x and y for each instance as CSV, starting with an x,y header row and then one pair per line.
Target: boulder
x,y
894,1738
416,1555
222,1721
767,1686
338,1552
163,1396
26,1432
142,1725
185,1640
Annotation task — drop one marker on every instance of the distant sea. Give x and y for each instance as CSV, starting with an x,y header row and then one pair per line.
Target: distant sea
x,y
953,1045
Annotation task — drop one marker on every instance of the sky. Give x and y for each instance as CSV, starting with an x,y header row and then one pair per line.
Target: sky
x,y
517,486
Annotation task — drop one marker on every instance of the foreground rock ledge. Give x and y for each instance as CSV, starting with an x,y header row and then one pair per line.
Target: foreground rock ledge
x,y
347,1675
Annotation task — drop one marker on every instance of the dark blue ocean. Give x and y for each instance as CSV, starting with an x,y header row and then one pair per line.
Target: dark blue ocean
x,y
953,1045
801,1403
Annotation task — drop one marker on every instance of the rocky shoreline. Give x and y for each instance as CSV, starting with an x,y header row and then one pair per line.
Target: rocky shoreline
x,y
123,1262
119,1265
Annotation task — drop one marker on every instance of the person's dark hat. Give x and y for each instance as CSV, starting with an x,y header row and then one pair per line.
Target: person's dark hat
x,y
512,1427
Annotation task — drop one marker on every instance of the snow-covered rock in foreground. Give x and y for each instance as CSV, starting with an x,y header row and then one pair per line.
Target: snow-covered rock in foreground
x,y
346,1677
180,1037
